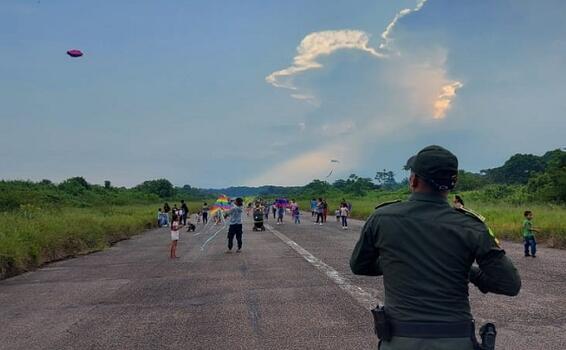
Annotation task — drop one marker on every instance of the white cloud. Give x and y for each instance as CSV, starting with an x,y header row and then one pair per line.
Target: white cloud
x,y
442,104
423,82
411,89
318,44
386,35
349,149
305,167
307,98
324,43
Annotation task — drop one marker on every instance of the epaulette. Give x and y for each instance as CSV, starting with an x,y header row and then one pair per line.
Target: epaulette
x,y
472,213
481,218
387,203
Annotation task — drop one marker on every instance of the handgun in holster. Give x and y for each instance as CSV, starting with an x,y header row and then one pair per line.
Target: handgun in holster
x,y
488,334
382,327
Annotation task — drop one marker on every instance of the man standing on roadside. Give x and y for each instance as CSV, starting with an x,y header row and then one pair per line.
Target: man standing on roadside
x,y
425,250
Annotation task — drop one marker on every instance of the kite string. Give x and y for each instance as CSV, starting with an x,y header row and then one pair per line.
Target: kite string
x,y
212,237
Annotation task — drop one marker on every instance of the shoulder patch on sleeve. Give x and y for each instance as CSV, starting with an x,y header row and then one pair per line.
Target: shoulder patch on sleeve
x,y
387,203
480,218
472,213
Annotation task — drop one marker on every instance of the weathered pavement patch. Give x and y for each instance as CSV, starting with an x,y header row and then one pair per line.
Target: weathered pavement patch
x,y
132,296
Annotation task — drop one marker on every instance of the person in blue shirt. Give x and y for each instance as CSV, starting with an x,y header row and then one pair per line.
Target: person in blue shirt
x,y
313,207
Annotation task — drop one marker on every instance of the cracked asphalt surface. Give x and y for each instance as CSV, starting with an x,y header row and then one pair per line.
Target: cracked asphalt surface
x,y
132,296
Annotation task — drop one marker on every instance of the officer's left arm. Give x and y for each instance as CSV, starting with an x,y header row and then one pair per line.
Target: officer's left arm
x,y
365,257
495,272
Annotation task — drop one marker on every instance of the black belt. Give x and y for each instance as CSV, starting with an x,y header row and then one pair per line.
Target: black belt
x,y
463,329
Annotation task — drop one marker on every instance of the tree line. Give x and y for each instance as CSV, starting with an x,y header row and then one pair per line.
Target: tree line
x,y
523,177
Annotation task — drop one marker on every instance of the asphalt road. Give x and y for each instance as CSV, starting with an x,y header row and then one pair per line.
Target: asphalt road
x,y
132,296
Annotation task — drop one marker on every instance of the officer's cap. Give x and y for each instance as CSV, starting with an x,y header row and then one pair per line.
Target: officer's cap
x,y
437,165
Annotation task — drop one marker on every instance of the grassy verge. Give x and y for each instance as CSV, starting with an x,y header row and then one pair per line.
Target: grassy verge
x,y
504,218
31,237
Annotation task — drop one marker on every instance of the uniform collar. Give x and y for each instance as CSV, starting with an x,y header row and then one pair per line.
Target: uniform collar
x,y
428,197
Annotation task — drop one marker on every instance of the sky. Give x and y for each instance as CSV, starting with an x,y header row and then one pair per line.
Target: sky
x,y
226,93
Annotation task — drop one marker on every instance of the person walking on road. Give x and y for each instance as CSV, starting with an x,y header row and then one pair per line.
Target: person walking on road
x,y
205,210
185,210
319,212
296,214
235,228
344,212
274,209
324,210
166,210
313,207
424,249
280,213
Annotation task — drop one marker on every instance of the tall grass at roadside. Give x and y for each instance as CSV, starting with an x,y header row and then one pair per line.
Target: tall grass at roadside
x,y
31,236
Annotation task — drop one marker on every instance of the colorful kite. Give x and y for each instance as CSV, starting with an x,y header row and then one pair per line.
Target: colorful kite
x,y
281,203
74,53
222,203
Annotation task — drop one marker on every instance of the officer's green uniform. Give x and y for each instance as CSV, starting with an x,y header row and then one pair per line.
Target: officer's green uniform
x,y
425,250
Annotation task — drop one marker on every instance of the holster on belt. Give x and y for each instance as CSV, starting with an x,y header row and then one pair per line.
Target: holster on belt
x,y
488,334
385,328
382,327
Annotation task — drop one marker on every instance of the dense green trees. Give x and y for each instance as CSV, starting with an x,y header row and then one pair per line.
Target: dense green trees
x,y
550,185
161,187
524,177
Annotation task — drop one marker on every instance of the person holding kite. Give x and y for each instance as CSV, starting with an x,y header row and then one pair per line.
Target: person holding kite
x,y
235,228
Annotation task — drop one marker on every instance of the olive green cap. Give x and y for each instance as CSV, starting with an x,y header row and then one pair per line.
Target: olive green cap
x,y
437,165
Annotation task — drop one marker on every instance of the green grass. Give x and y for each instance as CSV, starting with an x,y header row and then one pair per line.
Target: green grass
x,y
31,237
507,220
504,218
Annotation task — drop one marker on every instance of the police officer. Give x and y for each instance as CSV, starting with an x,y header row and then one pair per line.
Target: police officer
x,y
425,250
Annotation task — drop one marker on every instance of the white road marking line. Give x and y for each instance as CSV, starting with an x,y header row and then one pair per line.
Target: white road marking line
x,y
363,298
211,237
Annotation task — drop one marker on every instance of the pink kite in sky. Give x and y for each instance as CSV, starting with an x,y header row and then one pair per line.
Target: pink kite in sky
x,y
74,53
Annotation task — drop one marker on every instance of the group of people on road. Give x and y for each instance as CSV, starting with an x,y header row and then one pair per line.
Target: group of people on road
x,y
166,215
319,209
423,248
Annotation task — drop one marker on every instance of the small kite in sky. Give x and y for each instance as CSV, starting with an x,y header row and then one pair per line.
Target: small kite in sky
x,y
75,53
333,168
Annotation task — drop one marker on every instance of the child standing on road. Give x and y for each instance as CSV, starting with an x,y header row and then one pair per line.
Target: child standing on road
x,y
529,234
296,213
175,226
337,213
344,212
280,213
235,228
